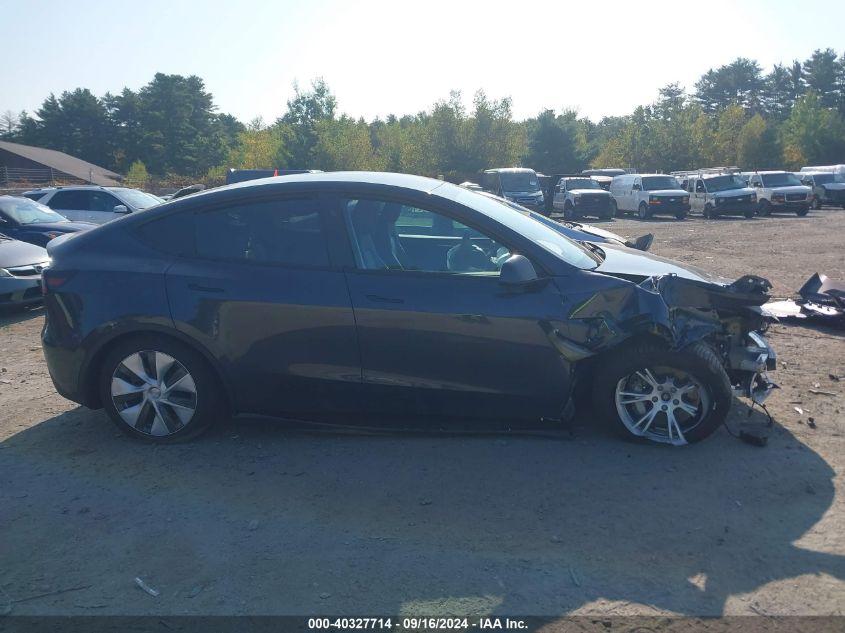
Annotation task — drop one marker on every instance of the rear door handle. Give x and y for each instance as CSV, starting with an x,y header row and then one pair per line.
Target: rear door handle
x,y
200,288
380,299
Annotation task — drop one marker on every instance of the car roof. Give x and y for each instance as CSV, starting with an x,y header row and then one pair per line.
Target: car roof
x,y
507,169
405,181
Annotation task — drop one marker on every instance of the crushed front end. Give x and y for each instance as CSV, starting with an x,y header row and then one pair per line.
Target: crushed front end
x,y
683,311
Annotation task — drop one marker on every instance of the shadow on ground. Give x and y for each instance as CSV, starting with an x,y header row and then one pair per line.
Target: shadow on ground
x,y
254,518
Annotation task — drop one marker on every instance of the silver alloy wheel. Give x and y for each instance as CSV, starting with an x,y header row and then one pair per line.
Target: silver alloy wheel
x,y
154,393
662,404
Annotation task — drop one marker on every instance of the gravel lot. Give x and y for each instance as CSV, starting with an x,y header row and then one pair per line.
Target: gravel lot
x,y
257,518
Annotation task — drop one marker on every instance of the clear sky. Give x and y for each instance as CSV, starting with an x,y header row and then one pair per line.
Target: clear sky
x,y
602,58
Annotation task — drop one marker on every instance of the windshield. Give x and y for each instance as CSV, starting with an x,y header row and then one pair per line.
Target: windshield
x,y
824,179
724,183
655,183
582,183
780,180
528,225
25,211
138,199
519,181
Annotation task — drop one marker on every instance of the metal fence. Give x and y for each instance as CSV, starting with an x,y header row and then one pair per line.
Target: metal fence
x,y
20,179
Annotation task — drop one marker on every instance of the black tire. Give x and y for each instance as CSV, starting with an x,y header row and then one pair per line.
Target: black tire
x,y
708,211
681,215
698,360
209,402
614,208
567,210
764,208
817,203
803,211
643,211
749,213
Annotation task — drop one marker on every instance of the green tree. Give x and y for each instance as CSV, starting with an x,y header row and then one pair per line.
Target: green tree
x,y
304,111
344,144
257,146
758,146
739,82
137,175
553,143
823,74
812,134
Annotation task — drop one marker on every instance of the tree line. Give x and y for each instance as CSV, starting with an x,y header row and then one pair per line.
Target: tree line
x,y
736,115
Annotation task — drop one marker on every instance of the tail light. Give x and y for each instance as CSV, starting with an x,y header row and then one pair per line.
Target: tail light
x,y
52,280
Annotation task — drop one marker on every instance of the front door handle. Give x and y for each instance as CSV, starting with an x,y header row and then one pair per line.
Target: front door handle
x,y
380,299
200,288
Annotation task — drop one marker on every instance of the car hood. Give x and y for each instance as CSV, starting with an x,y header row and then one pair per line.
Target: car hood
x,y
734,193
587,231
59,227
791,189
636,265
835,186
668,192
14,253
594,191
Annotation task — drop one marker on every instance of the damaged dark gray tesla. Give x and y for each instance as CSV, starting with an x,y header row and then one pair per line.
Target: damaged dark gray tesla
x,y
353,297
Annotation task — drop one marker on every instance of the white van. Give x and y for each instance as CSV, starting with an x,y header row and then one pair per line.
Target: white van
x,y
825,169
648,195
715,194
779,191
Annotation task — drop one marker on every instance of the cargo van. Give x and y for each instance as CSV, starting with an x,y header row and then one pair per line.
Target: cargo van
x,y
516,184
648,195
779,191
713,194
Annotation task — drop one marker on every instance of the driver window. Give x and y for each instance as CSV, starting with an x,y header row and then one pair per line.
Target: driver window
x,y
389,235
699,186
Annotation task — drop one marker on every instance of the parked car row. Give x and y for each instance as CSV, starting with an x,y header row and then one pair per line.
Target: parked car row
x,y
712,192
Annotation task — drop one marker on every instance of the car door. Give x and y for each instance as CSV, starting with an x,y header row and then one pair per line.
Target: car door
x,y
260,291
699,195
74,204
438,332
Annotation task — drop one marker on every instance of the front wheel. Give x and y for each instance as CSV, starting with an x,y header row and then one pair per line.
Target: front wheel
x,y
681,215
749,213
817,203
670,397
643,211
567,211
614,209
159,390
708,212
804,211
764,208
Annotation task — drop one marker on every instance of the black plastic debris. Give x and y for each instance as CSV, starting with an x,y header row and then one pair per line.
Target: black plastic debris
x,y
820,299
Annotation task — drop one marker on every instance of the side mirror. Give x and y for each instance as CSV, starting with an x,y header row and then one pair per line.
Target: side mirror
x,y
120,208
637,188
517,270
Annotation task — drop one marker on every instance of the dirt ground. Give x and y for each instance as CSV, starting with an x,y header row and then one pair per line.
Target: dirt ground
x,y
256,518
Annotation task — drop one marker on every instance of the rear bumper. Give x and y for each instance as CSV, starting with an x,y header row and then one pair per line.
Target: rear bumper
x,y
64,364
18,291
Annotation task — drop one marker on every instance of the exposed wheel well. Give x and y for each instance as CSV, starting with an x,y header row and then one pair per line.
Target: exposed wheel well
x,y
92,370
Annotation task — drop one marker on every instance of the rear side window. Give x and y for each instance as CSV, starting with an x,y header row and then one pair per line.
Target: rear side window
x,y
172,234
270,232
75,200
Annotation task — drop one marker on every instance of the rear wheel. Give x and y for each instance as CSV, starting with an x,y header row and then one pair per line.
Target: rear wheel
x,y
159,390
658,395
643,211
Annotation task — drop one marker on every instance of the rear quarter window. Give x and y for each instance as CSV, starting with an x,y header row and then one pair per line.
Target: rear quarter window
x,y
172,233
